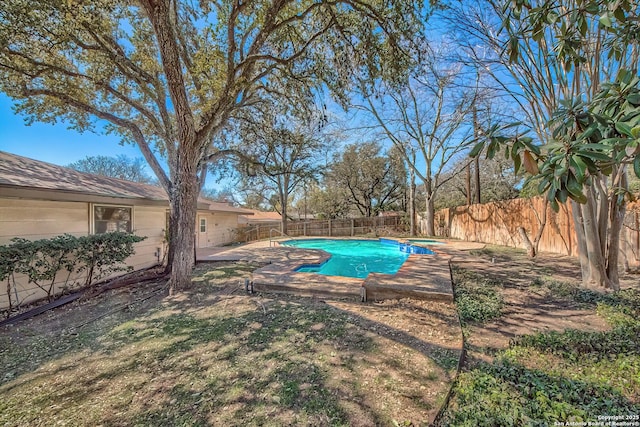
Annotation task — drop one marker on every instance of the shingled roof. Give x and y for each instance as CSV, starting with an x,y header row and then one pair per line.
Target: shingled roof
x,y
29,174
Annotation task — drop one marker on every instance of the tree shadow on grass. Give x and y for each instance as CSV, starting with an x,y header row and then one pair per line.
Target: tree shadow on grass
x,y
161,364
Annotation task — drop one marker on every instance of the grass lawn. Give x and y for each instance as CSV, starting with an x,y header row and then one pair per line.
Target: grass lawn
x,y
539,351
215,356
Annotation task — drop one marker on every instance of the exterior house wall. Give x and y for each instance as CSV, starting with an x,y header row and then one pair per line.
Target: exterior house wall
x,y
221,228
42,219
37,219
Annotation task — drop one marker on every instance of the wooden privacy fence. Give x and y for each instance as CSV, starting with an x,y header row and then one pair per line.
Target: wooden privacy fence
x,y
328,228
498,223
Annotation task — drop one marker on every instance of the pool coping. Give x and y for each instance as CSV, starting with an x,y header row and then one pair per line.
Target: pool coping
x,y
426,277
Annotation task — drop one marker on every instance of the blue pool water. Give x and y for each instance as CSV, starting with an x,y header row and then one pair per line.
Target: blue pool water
x,y
357,258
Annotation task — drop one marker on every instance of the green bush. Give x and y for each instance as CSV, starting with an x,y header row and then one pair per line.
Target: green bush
x,y
41,261
99,255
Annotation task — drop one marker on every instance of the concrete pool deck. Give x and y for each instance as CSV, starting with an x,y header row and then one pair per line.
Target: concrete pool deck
x,y
426,277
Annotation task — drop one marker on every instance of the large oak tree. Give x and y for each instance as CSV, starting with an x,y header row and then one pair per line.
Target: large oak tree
x,y
167,75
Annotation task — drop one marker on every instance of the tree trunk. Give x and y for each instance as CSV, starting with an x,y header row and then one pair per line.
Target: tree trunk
x,y
597,271
430,217
184,199
468,184
412,204
578,222
531,249
285,229
476,161
283,186
617,210
477,179
617,218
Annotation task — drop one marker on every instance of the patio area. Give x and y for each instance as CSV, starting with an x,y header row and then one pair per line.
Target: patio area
x,y
425,277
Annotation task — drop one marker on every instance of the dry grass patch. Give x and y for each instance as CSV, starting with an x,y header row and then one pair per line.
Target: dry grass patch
x,y
214,356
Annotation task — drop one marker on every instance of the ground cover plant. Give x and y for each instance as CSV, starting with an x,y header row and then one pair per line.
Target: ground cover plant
x,y
578,357
216,356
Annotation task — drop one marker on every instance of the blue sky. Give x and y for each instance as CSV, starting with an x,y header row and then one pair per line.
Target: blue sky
x,y
54,143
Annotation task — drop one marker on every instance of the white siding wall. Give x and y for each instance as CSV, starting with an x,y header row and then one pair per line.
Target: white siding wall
x,y
34,219
221,228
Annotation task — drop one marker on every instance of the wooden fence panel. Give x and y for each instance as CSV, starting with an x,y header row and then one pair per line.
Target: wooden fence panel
x,y
498,223
322,228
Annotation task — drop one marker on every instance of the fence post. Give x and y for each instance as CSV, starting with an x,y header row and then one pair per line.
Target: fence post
x,y
330,228
352,230
304,228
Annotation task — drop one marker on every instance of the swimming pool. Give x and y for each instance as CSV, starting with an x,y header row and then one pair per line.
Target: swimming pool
x,y
357,258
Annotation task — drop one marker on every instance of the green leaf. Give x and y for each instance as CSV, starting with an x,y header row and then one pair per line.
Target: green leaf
x,y
475,151
573,186
594,146
592,7
578,166
513,49
624,129
563,195
595,156
605,20
636,166
633,98
517,162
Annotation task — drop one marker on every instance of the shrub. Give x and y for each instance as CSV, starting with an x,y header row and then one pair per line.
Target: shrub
x,y
100,255
42,260
477,298
95,256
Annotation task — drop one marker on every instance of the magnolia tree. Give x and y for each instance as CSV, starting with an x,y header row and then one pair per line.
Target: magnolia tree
x,y
577,66
168,75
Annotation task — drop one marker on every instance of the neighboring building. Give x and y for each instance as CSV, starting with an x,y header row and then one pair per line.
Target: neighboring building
x,y
259,217
41,200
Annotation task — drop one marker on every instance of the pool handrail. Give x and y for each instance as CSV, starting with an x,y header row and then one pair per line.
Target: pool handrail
x,y
271,236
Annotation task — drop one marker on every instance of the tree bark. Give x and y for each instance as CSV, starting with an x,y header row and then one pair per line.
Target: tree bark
x,y
597,271
477,179
578,222
531,249
430,217
412,203
468,184
285,228
182,231
617,210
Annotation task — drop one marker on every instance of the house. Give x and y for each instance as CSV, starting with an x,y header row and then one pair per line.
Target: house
x,y
40,200
258,217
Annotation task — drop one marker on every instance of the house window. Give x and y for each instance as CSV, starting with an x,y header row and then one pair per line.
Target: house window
x,y
203,225
112,218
